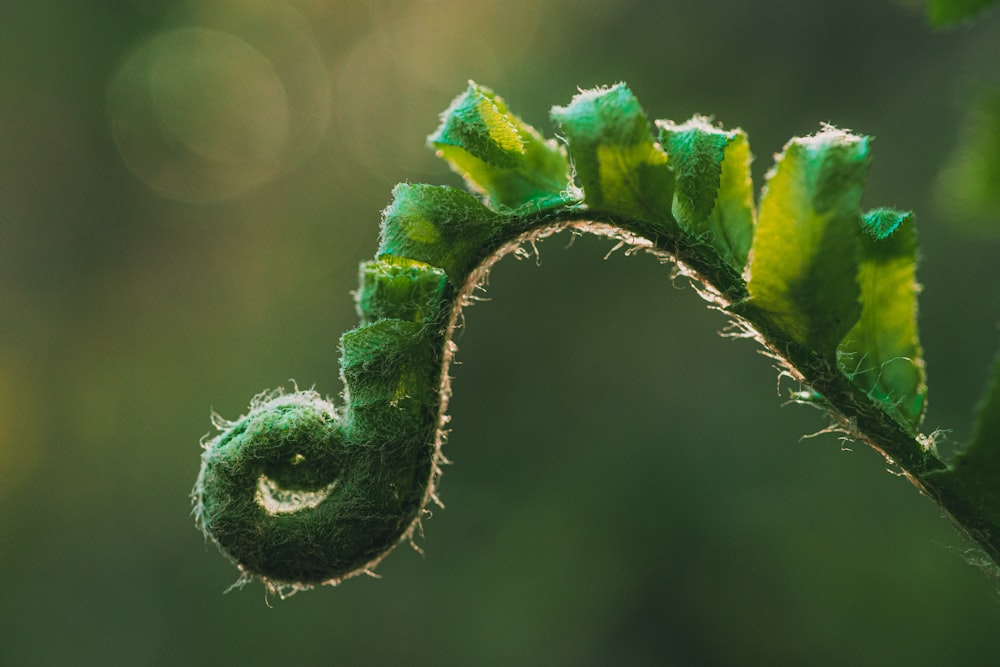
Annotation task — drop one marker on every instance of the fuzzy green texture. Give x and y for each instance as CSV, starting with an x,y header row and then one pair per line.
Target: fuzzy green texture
x,y
500,155
298,492
713,198
326,519
949,12
400,288
804,265
620,168
296,441
390,364
882,353
439,225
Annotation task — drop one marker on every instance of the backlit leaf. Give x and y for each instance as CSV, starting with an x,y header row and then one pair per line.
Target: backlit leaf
x,y
713,196
500,155
881,353
617,163
804,258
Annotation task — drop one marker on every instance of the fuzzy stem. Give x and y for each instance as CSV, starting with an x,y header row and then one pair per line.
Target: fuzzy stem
x,y
852,411
372,465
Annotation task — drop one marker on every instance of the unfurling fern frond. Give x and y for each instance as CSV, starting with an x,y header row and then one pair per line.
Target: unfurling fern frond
x,y
300,492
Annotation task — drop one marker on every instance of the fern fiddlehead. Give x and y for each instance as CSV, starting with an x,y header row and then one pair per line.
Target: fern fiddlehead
x,y
300,492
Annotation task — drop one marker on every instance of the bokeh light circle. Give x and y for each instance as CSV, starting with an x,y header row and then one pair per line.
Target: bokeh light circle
x,y
199,115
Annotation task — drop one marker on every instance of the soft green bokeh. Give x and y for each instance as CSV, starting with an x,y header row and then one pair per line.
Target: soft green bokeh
x,y
625,487
944,13
967,189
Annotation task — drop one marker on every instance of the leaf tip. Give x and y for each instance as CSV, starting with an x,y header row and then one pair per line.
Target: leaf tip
x,y
881,223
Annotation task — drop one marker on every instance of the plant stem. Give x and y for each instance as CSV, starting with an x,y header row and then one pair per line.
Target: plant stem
x,y
852,411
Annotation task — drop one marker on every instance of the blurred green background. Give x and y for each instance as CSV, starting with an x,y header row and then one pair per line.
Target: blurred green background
x,y
185,193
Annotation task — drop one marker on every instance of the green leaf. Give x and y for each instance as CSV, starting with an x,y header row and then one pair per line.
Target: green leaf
x,y
804,258
947,12
388,360
713,198
440,225
500,155
970,186
400,288
618,165
881,353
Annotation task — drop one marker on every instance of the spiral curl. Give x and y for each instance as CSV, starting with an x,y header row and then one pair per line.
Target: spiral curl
x,y
298,492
